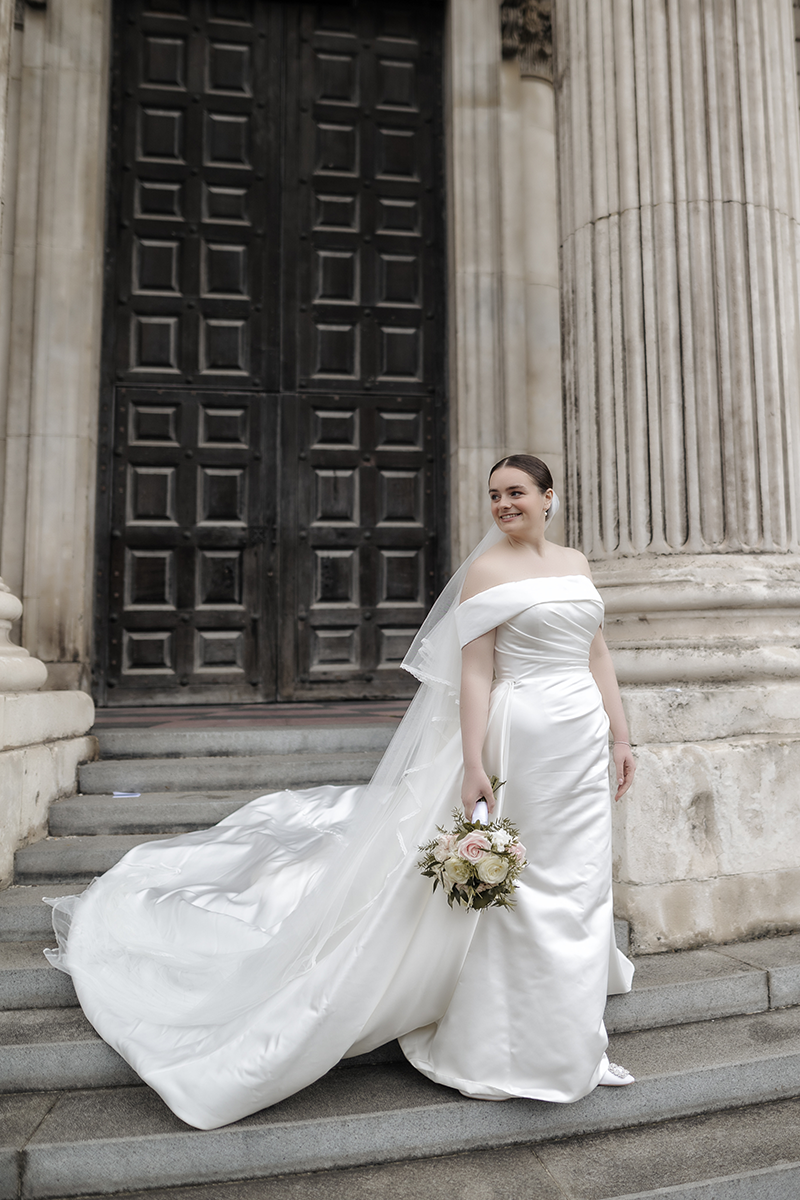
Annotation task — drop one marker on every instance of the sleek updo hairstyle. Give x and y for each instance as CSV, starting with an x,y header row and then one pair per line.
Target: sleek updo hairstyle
x,y
534,467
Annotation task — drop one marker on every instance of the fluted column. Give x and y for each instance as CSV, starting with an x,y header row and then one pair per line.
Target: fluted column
x,y
477,399
504,380
532,349
6,35
680,211
679,206
52,382
9,123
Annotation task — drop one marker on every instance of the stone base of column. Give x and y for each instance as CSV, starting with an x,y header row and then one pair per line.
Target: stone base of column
x,y
42,742
729,909
707,844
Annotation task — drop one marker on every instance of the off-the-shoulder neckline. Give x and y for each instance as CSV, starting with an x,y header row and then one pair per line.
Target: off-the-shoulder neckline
x,y
530,579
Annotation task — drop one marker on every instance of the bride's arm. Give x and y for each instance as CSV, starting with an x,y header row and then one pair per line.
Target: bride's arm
x,y
477,667
605,677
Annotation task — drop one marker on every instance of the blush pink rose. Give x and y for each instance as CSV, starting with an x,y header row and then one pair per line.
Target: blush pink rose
x,y
473,847
518,850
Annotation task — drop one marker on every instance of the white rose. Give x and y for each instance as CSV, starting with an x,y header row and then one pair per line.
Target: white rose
x,y
457,870
500,839
492,869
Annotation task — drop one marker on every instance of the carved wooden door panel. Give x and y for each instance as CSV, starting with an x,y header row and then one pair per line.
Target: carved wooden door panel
x,y
366,342
272,406
187,514
192,525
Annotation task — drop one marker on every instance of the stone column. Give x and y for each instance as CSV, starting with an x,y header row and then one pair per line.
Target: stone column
x,y
20,238
42,734
531,344
54,358
477,392
679,202
6,38
505,389
9,124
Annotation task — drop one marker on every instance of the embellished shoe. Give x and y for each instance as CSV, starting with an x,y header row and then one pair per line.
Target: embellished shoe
x,y
616,1076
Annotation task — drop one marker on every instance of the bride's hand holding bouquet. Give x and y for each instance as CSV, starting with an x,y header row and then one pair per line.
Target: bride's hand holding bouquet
x,y
476,786
476,864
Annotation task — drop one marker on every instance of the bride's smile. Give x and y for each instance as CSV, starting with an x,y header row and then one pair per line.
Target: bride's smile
x,y
517,503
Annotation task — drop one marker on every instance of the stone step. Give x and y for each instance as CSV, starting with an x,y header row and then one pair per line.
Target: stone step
x,y
121,1139
58,1050
59,1045
61,1054
694,985
669,989
28,981
265,772
23,915
189,743
750,1153
780,958
153,812
75,859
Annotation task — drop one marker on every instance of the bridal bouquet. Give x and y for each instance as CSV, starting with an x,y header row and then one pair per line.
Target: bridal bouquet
x,y
477,865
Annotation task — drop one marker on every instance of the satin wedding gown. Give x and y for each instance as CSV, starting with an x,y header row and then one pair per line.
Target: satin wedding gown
x,y
233,966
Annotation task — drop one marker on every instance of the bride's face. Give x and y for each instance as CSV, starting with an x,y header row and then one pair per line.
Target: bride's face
x,y
518,507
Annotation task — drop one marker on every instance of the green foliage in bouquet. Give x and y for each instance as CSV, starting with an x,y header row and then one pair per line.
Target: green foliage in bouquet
x,y
476,865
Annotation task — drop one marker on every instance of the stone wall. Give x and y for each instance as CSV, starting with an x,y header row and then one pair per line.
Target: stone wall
x,y
42,742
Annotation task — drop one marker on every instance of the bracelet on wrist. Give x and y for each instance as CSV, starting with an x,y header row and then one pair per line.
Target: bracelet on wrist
x,y
621,743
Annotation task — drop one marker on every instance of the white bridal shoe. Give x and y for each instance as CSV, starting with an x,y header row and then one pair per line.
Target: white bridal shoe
x,y
616,1076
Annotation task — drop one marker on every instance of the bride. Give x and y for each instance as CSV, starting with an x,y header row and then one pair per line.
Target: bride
x,y
233,966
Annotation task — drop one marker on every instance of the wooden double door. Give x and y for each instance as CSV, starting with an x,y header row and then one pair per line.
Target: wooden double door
x,y
272,463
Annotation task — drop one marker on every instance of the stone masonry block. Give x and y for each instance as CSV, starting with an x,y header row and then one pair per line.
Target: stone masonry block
x,y
709,810
31,777
685,913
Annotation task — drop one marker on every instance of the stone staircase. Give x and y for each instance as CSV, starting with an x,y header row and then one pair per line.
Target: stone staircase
x,y
712,1035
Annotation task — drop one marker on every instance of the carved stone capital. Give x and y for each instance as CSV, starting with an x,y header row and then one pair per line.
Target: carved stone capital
x,y
528,36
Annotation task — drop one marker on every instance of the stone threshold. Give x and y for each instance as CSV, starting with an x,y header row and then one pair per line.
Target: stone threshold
x,y
251,716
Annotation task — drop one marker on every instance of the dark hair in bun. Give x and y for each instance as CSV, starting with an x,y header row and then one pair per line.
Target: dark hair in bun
x,y
538,471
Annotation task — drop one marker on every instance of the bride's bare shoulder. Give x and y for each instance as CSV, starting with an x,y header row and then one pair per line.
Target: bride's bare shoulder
x,y
487,571
499,566
577,563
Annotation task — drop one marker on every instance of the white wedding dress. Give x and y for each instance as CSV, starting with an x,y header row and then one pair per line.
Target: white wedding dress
x,y
233,966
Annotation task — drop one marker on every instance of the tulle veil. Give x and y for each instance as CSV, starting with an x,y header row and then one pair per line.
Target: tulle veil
x,y
345,866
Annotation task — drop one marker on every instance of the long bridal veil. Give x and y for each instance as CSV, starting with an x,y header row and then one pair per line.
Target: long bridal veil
x,y
333,865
